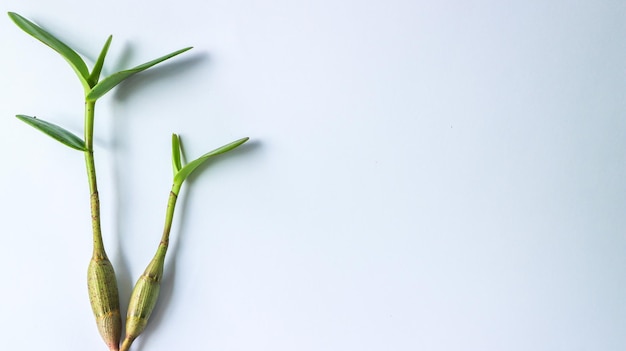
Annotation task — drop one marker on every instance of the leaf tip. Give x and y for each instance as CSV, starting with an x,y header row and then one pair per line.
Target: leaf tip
x,y
241,141
14,16
184,50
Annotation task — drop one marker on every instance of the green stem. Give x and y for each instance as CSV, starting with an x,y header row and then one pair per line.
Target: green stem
x,y
146,291
169,218
98,245
101,282
126,343
159,257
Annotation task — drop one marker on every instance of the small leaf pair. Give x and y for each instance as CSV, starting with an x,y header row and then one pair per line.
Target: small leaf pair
x,y
113,80
181,173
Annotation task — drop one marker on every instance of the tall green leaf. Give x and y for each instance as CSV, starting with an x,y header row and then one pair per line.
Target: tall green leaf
x,y
176,163
94,77
191,166
113,80
57,45
55,131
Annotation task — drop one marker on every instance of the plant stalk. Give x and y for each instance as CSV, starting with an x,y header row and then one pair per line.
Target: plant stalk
x,y
98,245
101,281
146,291
169,213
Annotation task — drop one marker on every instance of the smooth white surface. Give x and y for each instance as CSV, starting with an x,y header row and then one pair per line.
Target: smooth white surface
x,y
423,175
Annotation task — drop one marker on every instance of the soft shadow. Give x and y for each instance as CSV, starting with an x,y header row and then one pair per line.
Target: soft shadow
x,y
124,60
118,144
163,71
120,262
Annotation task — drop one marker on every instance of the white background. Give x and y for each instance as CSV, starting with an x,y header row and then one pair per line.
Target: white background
x,y
422,175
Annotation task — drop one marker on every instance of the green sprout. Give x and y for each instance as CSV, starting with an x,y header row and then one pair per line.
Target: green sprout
x,y
101,281
146,290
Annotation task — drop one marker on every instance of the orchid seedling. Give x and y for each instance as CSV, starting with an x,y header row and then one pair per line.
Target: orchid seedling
x,y
101,280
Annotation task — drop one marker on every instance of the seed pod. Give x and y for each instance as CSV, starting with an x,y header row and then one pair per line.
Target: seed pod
x,y
144,297
104,299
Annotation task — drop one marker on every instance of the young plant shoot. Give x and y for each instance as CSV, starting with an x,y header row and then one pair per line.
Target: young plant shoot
x,y
101,281
146,290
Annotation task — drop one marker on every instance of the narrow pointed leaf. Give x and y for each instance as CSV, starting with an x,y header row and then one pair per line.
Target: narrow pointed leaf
x,y
113,80
191,166
176,163
55,131
57,45
94,77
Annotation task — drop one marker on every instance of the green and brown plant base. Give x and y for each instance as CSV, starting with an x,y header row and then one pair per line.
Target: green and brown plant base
x,y
101,281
